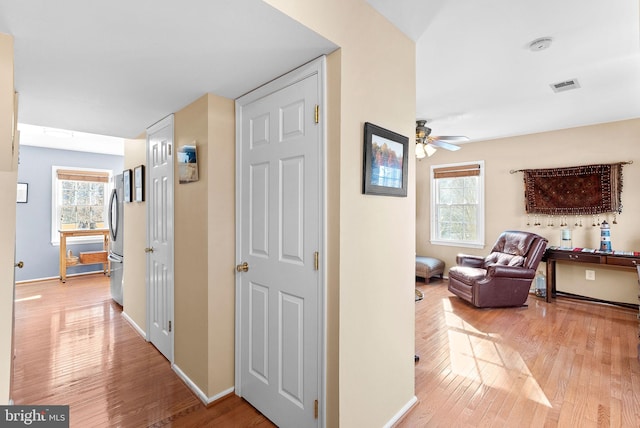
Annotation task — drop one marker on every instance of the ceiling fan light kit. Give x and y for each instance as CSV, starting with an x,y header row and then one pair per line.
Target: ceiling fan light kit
x,y
426,145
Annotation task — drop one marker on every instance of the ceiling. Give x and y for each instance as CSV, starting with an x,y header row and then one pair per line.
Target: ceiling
x,y
477,77
114,68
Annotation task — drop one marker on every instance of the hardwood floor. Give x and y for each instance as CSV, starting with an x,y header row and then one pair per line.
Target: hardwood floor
x,y
74,348
564,364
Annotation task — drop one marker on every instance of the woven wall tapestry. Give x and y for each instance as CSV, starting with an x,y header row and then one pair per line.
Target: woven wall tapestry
x,y
578,190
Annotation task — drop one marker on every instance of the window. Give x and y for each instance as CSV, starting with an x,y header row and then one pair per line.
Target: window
x,y
79,201
457,204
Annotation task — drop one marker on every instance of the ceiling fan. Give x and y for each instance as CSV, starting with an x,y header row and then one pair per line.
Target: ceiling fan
x,y
426,144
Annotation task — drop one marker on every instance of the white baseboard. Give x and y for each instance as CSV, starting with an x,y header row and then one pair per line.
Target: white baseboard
x,y
135,326
199,393
401,412
49,278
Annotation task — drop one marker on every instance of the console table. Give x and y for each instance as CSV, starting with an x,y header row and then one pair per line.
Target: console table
x,y
553,255
64,234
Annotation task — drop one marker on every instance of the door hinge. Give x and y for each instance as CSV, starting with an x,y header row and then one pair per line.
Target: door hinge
x,y
316,260
169,148
315,409
317,114
169,326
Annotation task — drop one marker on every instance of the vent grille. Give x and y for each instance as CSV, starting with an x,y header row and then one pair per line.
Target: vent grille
x,y
566,85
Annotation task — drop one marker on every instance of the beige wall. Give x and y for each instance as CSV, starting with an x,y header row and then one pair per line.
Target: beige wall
x,y
376,234
135,238
8,179
190,248
220,220
205,247
604,143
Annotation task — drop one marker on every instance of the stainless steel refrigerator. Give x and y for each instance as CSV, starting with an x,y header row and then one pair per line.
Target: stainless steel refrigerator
x,y
116,238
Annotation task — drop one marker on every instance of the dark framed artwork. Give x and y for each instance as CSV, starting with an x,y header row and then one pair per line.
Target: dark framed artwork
x,y
23,193
138,183
385,162
126,182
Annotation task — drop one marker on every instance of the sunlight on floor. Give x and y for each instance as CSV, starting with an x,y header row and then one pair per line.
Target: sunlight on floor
x,y
24,299
481,357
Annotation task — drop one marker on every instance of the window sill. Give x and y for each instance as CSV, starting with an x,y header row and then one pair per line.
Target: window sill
x,y
459,244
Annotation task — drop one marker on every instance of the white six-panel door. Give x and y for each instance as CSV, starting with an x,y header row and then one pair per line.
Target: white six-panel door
x,y
279,237
160,236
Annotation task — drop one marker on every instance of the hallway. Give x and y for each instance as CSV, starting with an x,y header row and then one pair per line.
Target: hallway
x,y
73,347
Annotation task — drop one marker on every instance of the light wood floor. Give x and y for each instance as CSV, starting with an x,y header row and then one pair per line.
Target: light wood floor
x,y
74,348
564,364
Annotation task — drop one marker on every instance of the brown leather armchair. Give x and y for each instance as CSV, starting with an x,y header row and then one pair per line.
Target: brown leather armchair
x,y
503,278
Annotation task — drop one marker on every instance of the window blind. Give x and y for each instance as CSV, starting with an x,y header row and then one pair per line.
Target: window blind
x,y
468,170
78,175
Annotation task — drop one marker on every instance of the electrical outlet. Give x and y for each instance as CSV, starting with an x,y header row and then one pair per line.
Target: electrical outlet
x,y
590,274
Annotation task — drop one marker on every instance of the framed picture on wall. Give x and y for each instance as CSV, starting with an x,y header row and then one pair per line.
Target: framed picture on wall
x,y
126,182
23,193
138,183
385,162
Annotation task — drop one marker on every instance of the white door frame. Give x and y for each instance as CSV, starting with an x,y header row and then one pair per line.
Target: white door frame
x,y
168,121
318,67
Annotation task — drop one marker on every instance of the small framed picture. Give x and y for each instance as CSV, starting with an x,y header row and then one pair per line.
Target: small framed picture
x,y
187,164
126,181
23,193
138,183
385,162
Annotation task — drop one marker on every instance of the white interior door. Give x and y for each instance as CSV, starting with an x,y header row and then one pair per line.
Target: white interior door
x,y
160,236
279,237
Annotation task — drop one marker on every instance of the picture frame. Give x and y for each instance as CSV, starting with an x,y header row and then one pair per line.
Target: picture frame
x,y
138,183
187,164
126,182
22,196
385,162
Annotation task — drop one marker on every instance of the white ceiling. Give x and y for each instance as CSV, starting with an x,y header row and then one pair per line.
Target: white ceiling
x,y
116,67
477,77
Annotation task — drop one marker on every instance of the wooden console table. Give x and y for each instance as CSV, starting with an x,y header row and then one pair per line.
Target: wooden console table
x,y
553,255
64,234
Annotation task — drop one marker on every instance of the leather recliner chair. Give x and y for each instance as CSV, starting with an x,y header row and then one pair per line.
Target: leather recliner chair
x,y
503,278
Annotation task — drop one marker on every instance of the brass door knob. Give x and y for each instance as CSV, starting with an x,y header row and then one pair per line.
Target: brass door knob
x,y
244,267
148,250
19,265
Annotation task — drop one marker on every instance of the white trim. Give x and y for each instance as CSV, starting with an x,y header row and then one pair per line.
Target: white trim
x,y
315,67
49,278
135,326
197,391
401,412
480,243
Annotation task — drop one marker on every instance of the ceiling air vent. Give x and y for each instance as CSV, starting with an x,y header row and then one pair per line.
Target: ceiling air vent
x,y
565,86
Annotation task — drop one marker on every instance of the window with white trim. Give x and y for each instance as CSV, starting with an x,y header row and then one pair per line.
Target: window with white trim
x,y
457,204
79,201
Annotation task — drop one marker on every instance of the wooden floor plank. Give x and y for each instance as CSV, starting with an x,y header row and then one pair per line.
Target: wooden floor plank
x,y
73,347
564,363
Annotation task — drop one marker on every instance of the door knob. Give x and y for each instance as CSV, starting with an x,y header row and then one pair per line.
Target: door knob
x,y
244,267
148,250
19,265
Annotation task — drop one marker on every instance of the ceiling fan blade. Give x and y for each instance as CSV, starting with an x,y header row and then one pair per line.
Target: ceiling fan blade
x,y
444,145
451,138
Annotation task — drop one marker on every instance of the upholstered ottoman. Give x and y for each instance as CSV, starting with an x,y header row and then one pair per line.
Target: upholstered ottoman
x,y
426,267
